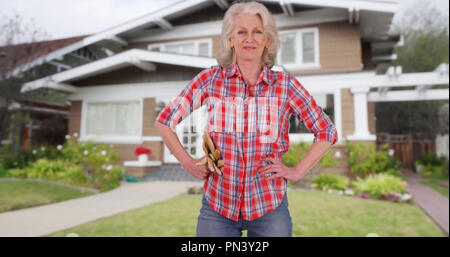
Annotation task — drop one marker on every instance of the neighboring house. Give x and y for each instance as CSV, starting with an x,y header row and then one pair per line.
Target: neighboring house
x,y
41,110
332,47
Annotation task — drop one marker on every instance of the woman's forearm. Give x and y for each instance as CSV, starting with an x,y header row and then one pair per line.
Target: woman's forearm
x,y
173,143
312,157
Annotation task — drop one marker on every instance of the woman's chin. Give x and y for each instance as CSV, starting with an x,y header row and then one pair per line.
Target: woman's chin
x,y
249,57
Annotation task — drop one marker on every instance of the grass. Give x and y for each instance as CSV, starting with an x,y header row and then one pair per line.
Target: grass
x,y
314,213
440,189
16,195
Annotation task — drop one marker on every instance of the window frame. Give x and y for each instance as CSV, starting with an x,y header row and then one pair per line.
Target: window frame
x,y
162,46
309,137
299,64
111,138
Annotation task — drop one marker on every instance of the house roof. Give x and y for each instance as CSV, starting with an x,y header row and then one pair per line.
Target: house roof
x,y
13,56
374,16
141,58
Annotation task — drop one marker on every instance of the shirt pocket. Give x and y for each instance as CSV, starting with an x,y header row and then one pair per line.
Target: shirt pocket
x,y
263,115
268,123
223,116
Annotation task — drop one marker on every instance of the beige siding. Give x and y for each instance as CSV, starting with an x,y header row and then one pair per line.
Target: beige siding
x,y
340,48
75,117
347,112
148,128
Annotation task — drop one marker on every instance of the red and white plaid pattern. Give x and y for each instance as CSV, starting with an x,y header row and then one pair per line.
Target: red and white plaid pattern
x,y
247,124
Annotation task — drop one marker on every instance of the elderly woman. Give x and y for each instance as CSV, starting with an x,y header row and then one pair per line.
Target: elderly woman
x,y
250,126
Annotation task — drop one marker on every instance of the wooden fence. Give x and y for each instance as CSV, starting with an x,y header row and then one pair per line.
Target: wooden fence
x,y
408,148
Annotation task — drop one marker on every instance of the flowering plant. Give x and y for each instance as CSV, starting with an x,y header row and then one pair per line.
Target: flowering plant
x,y
142,150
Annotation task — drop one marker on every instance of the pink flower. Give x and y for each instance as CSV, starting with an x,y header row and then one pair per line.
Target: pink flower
x,y
364,195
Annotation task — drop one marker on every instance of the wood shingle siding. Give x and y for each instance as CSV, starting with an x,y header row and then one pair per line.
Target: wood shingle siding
x,y
340,48
148,128
348,116
75,117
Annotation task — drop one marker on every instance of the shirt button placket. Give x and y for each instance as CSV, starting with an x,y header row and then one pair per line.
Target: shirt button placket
x,y
241,139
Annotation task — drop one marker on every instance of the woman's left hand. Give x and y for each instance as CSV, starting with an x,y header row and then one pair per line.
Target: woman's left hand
x,y
280,170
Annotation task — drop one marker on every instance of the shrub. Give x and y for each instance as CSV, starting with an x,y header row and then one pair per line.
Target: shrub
x,y
16,173
57,170
327,181
24,157
297,151
365,160
379,185
429,165
84,164
430,159
2,171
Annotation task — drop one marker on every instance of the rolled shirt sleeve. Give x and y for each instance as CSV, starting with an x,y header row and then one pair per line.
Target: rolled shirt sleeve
x,y
189,99
305,108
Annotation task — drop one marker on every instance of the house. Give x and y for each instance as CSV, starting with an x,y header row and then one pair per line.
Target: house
x,y
332,47
42,108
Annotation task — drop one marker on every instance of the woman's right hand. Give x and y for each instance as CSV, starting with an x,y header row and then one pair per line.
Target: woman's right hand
x,y
199,171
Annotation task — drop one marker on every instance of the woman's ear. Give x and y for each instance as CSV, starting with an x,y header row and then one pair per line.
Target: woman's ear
x,y
268,42
230,42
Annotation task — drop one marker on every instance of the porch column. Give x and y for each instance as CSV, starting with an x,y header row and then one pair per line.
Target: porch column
x,y
361,132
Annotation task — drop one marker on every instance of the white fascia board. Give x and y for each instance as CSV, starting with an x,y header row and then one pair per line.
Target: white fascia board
x,y
215,27
175,59
379,6
117,61
409,95
370,79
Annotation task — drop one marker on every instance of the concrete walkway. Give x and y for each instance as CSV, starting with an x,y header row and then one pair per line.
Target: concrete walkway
x,y
44,220
435,205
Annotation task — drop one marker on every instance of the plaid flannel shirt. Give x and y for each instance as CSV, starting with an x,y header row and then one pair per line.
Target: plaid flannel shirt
x,y
247,124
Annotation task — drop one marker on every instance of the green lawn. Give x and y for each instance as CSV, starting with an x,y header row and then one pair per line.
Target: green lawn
x,y
440,189
16,195
314,213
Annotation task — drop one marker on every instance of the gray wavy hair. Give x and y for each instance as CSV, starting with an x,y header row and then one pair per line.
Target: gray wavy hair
x,y
226,55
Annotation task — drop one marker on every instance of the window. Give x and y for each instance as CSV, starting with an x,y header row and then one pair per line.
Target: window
x,y
113,119
197,48
299,49
325,101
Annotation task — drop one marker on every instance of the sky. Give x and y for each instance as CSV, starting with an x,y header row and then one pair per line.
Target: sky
x,y
69,18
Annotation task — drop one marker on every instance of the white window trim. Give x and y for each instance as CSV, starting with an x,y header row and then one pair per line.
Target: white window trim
x,y
111,139
309,137
162,46
299,65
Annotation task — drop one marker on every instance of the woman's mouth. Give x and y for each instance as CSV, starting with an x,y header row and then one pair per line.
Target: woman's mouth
x,y
249,48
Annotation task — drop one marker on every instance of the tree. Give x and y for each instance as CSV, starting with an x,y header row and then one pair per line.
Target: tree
x,y
16,32
426,45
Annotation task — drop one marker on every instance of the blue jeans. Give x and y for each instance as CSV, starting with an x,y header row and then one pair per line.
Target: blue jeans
x,y
276,223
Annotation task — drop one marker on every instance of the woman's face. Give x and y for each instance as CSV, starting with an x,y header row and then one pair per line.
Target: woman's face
x,y
248,38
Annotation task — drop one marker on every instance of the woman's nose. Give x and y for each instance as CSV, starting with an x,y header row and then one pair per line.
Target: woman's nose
x,y
249,38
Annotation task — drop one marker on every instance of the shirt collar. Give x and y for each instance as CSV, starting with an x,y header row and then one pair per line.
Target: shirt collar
x,y
233,70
